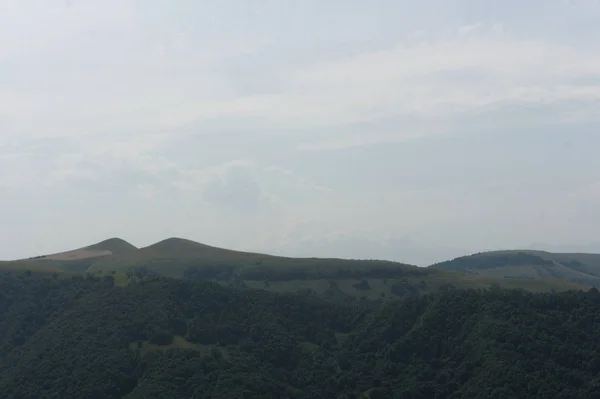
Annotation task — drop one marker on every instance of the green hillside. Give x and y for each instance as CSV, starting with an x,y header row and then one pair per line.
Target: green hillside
x,y
77,260
177,257
335,278
117,246
18,266
528,265
177,338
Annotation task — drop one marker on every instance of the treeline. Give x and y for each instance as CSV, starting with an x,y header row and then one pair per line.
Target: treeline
x,y
164,338
329,270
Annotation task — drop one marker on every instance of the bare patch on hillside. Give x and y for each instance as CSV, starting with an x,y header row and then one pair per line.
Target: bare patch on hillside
x,y
77,254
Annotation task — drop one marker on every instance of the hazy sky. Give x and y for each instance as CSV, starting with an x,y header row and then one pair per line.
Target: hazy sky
x,y
391,129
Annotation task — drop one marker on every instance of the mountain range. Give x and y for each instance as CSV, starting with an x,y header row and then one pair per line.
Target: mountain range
x,y
332,277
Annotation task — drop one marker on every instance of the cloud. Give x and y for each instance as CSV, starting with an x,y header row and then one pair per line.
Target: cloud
x,y
398,132
496,68
236,191
134,77
440,78
374,121
90,69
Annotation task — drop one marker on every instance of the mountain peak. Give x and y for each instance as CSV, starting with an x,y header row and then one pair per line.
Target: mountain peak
x,y
115,245
176,244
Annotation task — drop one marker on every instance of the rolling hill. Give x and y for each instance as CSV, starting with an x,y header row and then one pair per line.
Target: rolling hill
x,y
336,278
117,246
529,265
342,279
112,246
76,260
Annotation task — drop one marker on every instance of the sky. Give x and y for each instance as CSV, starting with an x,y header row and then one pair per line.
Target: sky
x,y
400,130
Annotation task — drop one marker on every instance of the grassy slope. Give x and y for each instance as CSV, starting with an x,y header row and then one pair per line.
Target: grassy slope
x,y
580,268
115,246
24,265
172,256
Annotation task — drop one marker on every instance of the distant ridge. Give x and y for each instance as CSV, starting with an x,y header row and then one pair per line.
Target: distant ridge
x,y
344,279
177,244
527,264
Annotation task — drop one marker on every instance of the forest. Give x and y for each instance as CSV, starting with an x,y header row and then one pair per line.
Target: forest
x,y
84,337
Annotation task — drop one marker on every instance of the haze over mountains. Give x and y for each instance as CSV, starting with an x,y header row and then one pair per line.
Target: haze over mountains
x,y
399,249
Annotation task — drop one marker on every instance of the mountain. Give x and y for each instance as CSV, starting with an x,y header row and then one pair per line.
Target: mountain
x,y
76,260
179,249
117,246
176,338
112,246
580,268
174,256
337,279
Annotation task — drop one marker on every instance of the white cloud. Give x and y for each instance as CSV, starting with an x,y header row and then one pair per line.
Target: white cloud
x,y
439,78
196,179
397,134
133,108
470,29
137,90
33,28
486,69
98,68
16,171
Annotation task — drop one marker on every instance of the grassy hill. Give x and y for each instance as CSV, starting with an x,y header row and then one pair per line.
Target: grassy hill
x,y
171,257
335,278
77,260
174,257
116,246
28,266
341,279
529,265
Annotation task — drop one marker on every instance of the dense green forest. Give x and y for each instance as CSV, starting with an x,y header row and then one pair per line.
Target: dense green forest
x,y
166,338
